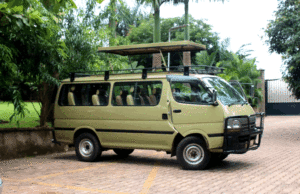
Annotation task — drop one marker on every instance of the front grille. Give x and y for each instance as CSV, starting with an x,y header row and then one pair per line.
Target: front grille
x,y
244,123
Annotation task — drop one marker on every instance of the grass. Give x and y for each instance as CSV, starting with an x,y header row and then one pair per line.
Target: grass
x,y
31,118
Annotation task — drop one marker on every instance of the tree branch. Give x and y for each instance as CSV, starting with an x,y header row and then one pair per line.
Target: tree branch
x,y
37,112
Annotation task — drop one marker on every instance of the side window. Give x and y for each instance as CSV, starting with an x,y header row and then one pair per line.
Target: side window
x,y
155,89
136,93
99,94
190,93
84,94
122,94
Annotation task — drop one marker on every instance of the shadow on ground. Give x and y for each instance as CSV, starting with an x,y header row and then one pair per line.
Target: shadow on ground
x,y
226,165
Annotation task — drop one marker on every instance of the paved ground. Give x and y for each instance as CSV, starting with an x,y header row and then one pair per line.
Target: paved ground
x,y
273,168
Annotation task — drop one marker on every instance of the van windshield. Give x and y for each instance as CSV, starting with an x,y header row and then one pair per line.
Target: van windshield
x,y
227,94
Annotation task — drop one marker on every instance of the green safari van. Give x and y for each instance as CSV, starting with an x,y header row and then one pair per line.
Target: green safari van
x,y
188,113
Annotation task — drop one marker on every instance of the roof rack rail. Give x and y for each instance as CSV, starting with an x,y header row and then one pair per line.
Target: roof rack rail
x,y
194,69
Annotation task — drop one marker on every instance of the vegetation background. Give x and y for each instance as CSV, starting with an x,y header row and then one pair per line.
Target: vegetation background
x,y
43,40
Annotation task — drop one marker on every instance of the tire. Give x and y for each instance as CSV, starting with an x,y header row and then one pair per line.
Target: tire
x,y
87,147
123,152
192,153
218,157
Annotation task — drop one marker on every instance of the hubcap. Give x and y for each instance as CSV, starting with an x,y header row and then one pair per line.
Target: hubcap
x,y
193,154
86,147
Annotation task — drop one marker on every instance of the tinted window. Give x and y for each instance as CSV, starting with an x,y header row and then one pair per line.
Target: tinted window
x,y
136,93
84,94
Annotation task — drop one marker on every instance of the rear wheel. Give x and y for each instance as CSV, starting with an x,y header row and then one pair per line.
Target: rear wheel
x,y
123,152
87,147
192,153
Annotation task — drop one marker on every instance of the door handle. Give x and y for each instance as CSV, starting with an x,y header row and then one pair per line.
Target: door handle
x,y
177,111
164,116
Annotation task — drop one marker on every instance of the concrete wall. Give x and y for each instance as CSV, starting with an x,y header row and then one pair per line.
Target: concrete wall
x,y
16,143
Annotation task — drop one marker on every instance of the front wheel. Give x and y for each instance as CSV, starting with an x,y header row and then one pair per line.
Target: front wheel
x,y
192,153
123,152
87,147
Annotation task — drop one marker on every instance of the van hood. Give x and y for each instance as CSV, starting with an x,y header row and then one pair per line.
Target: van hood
x,y
237,110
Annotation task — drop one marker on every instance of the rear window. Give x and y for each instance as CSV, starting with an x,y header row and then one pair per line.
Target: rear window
x,y
84,94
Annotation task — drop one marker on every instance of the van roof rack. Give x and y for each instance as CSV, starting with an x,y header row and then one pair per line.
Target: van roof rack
x,y
150,48
194,69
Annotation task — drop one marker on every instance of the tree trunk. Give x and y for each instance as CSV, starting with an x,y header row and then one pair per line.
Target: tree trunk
x,y
187,54
186,20
112,22
156,34
47,97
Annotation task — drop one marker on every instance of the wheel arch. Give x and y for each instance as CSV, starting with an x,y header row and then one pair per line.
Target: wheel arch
x,y
179,137
81,130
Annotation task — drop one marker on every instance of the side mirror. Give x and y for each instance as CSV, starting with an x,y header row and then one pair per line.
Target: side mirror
x,y
250,100
214,98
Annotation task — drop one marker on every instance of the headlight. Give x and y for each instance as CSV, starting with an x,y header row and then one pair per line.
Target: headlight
x,y
233,124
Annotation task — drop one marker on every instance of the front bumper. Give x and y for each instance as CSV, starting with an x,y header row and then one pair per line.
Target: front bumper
x,y
248,138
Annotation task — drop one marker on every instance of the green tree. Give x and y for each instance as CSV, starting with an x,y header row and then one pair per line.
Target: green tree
x,y
80,38
186,15
118,17
203,58
283,38
114,21
220,53
128,17
156,7
125,17
200,32
31,49
244,71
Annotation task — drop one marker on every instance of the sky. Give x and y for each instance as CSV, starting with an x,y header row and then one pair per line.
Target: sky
x,y
240,20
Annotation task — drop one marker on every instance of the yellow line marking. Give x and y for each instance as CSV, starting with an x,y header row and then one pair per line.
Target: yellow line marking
x,y
12,180
78,188
66,186
61,173
146,187
148,183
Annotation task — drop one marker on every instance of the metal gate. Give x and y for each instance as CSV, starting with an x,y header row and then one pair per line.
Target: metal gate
x,y
279,100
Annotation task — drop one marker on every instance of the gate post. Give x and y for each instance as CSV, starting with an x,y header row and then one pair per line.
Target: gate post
x,y
261,104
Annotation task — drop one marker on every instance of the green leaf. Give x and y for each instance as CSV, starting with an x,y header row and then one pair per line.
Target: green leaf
x,y
3,5
25,21
18,8
18,16
19,23
8,18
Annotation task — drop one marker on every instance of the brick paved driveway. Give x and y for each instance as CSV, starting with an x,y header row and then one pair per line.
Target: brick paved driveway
x,y
273,168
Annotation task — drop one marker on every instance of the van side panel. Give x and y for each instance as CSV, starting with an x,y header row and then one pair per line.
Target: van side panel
x,y
119,126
